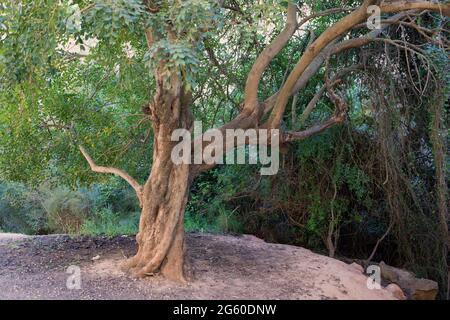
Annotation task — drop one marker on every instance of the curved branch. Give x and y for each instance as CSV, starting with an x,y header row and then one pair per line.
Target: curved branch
x,y
310,57
340,112
310,62
398,6
313,102
318,128
330,83
332,49
327,37
133,183
270,102
262,62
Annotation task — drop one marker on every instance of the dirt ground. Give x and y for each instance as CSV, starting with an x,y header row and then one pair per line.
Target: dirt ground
x,y
224,267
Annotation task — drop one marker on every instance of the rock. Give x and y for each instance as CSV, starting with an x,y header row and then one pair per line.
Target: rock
x,y
414,288
424,289
394,275
396,291
357,267
95,258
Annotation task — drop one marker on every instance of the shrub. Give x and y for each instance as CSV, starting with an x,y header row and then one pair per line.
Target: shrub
x,y
117,195
67,209
21,209
47,210
228,222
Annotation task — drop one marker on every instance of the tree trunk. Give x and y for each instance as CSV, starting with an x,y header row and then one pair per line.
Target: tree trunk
x,y
161,229
164,197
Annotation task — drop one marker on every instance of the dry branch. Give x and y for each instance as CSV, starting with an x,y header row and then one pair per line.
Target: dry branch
x,y
133,183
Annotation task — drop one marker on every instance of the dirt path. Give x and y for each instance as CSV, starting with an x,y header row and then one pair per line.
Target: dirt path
x,y
225,267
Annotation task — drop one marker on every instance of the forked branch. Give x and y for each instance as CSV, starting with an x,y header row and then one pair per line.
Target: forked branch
x,y
331,34
264,59
133,183
314,130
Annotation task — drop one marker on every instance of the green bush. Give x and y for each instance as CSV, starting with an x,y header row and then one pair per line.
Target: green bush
x,y
116,195
101,209
228,222
21,210
209,208
196,223
67,209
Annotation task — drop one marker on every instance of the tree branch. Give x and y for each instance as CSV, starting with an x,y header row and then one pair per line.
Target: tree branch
x,y
133,183
398,6
310,59
318,128
310,62
262,62
327,37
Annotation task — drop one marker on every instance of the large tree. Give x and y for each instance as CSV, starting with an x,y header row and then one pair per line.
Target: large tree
x,y
174,33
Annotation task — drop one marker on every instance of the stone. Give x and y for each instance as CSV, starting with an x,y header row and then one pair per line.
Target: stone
x,y
414,288
396,291
424,289
357,267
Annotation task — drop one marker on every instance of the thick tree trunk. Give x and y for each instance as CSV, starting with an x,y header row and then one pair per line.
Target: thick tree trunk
x,y
161,229
164,196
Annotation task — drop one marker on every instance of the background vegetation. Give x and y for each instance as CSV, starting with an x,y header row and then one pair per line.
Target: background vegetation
x,y
368,189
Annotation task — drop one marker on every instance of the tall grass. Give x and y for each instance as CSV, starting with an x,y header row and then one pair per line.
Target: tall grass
x,y
107,222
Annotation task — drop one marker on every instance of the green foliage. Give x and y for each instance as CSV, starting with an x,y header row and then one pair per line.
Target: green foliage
x,y
110,19
197,223
117,196
29,35
66,209
179,58
208,208
110,209
188,19
227,221
50,101
107,222
21,210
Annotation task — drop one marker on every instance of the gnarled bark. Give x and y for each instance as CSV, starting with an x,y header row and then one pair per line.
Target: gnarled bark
x,y
161,229
164,196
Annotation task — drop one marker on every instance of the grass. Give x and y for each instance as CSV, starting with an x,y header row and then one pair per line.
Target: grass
x,y
195,223
224,222
109,223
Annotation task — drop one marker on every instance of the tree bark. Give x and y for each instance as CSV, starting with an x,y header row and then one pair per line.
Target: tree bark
x,y
161,231
164,196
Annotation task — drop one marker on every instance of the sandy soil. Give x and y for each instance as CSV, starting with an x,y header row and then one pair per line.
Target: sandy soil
x,y
224,267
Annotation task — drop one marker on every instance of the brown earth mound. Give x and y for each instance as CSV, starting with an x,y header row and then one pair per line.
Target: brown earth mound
x,y
224,267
